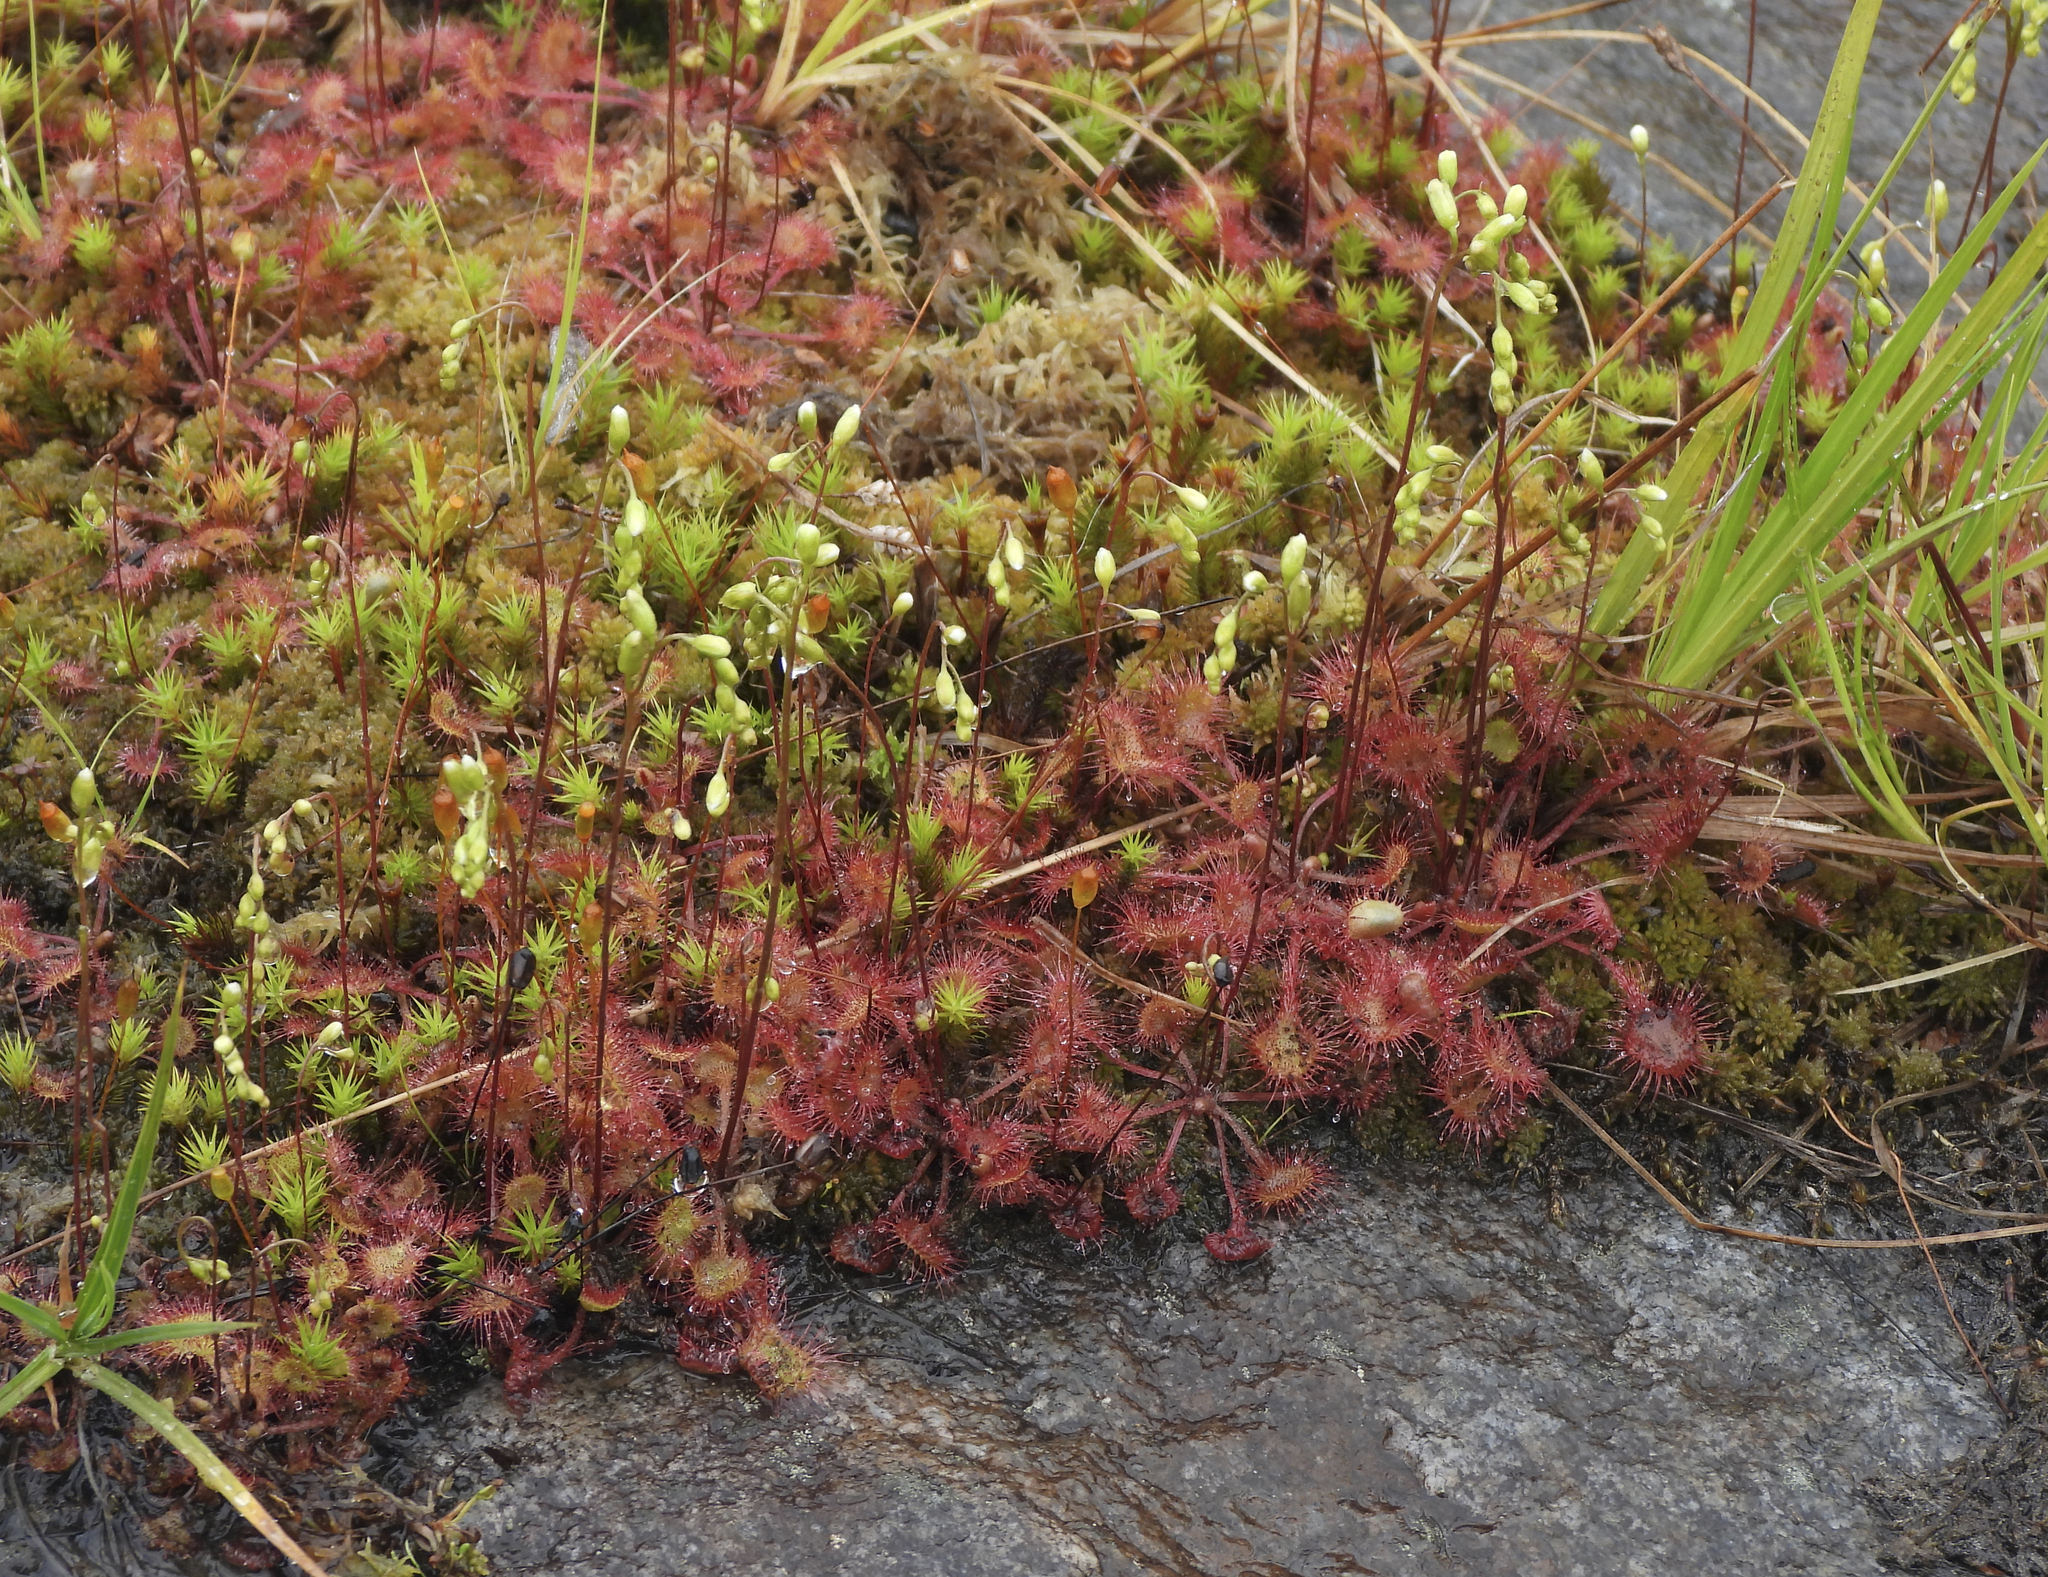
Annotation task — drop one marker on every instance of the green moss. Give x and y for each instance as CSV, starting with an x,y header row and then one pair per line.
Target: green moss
x,y
1915,1068
1525,1142
1855,1029
1883,954
1827,974
1983,993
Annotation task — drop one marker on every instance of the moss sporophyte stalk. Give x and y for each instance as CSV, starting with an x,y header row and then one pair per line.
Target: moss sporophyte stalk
x,y
628,656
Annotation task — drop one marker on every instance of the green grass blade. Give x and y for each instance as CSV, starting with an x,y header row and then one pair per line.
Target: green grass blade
x,y
1799,244
1984,460
818,73
553,395
96,1296
906,32
1820,176
1834,585
169,1331
217,1474
1872,739
835,34
1987,473
1710,559
44,1367
15,202
2014,771
1937,95
38,1321
1859,452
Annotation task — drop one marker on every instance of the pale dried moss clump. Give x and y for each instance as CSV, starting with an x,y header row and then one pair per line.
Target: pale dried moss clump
x,y
1044,385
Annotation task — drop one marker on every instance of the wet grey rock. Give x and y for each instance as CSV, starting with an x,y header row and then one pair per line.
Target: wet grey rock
x,y
1423,1378
1621,83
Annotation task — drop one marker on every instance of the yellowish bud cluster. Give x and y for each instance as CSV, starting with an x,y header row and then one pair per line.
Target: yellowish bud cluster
x,y
475,796
1962,44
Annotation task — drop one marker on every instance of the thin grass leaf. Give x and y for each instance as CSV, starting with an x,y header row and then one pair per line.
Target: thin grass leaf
x,y
1943,972
836,33
1986,470
1834,584
217,1474
38,1372
2007,708
1820,177
1212,28
815,76
785,50
1860,452
1883,787
1709,564
553,397
39,1321
96,1295
169,1331
2014,774
1130,123
15,202
1937,95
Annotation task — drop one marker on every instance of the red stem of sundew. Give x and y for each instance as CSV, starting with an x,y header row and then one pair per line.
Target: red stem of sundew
x,y
187,117
1309,201
1422,400
668,146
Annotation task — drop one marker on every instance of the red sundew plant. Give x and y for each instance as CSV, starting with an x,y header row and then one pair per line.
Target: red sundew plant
x,y
1660,1042
708,646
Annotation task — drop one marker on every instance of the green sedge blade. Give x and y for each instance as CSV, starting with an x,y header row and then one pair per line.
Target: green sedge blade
x,y
169,1331
37,1373
96,1296
1813,199
37,1321
217,1474
1865,445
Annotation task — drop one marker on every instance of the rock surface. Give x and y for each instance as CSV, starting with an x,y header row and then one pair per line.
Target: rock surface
x,y
1423,1378
1621,80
